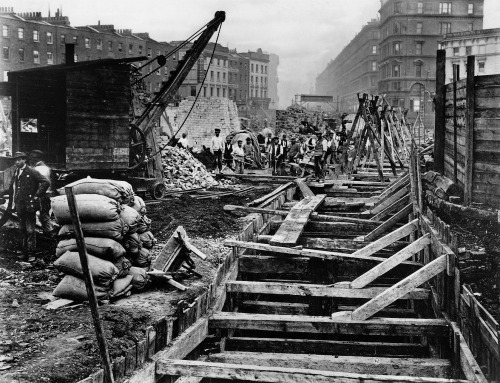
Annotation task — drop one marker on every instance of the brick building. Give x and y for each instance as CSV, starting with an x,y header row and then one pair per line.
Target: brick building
x,y
401,62
273,80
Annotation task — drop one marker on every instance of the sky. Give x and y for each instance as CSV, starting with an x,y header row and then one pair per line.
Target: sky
x,y
306,34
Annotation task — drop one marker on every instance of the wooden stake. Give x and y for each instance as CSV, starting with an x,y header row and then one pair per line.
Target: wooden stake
x,y
89,284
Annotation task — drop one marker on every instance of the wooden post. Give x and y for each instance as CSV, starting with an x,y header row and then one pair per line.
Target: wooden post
x,y
89,284
469,129
439,130
456,77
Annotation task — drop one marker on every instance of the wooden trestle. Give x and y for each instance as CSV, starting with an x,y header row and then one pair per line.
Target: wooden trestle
x,y
340,290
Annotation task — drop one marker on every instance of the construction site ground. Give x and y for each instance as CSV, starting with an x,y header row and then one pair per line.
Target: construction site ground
x,y
58,346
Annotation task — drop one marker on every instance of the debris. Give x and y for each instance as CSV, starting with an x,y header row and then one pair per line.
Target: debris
x,y
15,303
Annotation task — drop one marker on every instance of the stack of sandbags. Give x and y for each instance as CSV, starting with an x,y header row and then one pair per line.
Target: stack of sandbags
x,y
110,223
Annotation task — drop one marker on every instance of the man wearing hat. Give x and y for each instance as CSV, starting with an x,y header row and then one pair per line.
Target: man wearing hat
x,y
228,153
249,151
26,189
276,156
217,149
320,148
239,157
44,170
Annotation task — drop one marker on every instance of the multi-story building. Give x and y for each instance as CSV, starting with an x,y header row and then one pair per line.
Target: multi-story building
x,y
484,44
242,101
216,83
233,73
273,80
354,70
410,34
258,97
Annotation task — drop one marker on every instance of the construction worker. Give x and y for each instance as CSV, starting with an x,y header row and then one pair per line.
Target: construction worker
x,y
320,149
239,157
267,144
293,154
40,166
284,145
228,153
249,151
217,149
183,142
26,188
276,155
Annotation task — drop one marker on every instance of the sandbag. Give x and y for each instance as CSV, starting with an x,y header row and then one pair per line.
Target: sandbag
x,y
119,191
143,225
131,217
139,205
121,286
147,239
103,272
91,208
104,248
123,265
112,229
132,244
142,259
140,277
74,288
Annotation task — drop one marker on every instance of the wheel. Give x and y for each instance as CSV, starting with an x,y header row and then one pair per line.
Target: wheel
x,y
137,147
157,191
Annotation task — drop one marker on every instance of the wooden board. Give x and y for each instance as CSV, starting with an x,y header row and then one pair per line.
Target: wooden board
x,y
304,189
169,250
293,226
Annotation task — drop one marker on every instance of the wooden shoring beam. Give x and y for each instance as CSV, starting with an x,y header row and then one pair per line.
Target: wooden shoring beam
x,y
274,193
328,347
311,253
331,326
390,200
400,289
393,187
395,206
421,367
334,218
304,189
386,240
311,290
390,223
389,264
238,372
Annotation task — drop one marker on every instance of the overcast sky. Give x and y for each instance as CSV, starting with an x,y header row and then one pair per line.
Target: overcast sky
x,y
306,34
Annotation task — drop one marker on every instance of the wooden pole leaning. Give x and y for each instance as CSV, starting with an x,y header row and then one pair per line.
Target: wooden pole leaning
x,y
89,284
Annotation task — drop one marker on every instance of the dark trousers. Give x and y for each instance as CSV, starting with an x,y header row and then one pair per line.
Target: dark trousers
x,y
217,159
27,222
45,220
318,166
229,162
277,166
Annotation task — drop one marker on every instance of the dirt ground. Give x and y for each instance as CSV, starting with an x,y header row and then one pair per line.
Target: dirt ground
x,y
38,345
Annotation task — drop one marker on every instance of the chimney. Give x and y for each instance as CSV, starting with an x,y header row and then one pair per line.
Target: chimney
x,y
70,54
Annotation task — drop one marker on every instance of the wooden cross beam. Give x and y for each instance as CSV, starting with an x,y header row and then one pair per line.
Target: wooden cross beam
x,y
389,224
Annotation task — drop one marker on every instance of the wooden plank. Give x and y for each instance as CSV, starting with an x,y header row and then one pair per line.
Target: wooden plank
x,y
360,254
328,347
391,262
390,200
393,187
315,290
387,240
273,264
293,226
246,209
396,206
435,368
274,193
334,218
237,372
399,289
168,251
304,189
390,223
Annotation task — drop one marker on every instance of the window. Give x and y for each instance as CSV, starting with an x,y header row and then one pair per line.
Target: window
x,y
75,40
262,69
87,42
396,48
6,53
130,48
193,90
36,36
374,50
21,54
204,91
224,77
36,57
211,75
418,70
445,8
470,27
110,46
372,81
468,51
218,92
251,67
223,92
75,57
150,52
445,28
395,28
420,7
20,33
63,39
5,31
415,104
419,28
140,49
418,47
397,7
5,75
50,58
456,51
470,9
396,70
211,91
120,47
251,80
396,85
99,44
218,76
480,66
49,38
374,66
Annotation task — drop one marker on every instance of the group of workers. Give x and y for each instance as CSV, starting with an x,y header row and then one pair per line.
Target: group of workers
x,y
29,191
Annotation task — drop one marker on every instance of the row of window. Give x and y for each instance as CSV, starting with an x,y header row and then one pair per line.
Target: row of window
x,y
395,71
6,55
444,8
255,69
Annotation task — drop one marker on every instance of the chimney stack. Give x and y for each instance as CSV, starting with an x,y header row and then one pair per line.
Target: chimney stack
x,y
70,54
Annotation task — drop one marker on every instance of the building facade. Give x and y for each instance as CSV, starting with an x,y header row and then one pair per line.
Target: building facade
x,y
273,80
354,70
484,44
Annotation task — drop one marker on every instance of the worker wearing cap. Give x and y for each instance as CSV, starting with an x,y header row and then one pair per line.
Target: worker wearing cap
x,y
320,148
249,151
44,170
217,149
26,188
276,156
183,142
239,157
293,154
228,153
284,145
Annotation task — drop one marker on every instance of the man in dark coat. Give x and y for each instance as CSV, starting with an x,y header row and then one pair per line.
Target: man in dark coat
x,y
26,189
